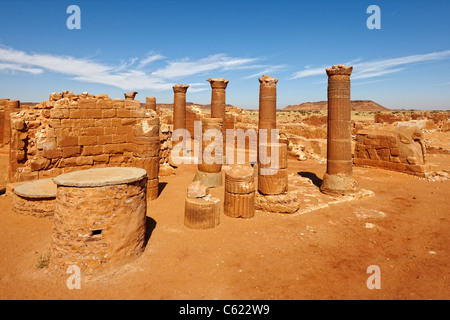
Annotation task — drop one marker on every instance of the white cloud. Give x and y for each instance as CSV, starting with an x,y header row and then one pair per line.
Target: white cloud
x,y
371,69
151,57
308,72
217,62
267,70
16,67
127,75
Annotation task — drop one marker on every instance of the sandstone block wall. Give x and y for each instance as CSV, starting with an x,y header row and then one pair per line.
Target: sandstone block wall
x,y
73,132
395,148
193,113
93,233
434,119
33,207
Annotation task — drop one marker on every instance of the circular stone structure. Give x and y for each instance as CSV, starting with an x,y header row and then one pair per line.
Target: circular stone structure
x,y
100,218
35,198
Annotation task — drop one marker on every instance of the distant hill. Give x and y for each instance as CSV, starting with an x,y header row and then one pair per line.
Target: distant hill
x,y
170,105
357,105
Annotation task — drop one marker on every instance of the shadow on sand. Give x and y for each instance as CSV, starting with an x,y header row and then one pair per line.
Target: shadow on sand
x,y
311,176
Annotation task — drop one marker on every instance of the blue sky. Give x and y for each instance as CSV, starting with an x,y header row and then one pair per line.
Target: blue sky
x,y
148,46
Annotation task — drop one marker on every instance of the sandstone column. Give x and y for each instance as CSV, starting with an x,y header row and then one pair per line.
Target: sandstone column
x,y
239,198
150,103
201,210
146,151
179,106
218,98
218,86
2,119
338,179
274,180
267,108
273,177
210,167
267,103
179,111
10,107
272,195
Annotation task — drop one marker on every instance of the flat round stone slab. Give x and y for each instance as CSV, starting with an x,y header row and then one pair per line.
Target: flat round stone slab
x,y
100,177
44,188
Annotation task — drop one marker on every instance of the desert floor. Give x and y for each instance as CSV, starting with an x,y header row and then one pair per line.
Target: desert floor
x,y
404,229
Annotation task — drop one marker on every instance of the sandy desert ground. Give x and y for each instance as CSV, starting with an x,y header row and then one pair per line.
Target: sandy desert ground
x,y
324,254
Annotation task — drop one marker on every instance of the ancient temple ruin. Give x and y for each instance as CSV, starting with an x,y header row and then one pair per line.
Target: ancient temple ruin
x,y
92,163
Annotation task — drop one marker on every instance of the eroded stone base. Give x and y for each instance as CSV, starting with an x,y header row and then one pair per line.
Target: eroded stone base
x,y
282,203
339,185
210,180
312,199
303,197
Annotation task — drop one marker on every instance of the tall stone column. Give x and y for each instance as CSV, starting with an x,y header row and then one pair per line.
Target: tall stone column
x,y
179,106
218,101
2,120
338,179
218,86
267,110
10,107
273,194
150,103
147,146
179,111
267,103
210,168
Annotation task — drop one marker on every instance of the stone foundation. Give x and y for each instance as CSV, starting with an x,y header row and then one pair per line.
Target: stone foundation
x,y
36,198
39,208
100,218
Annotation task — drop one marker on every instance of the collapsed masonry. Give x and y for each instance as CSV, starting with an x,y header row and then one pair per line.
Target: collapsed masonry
x,y
72,137
73,132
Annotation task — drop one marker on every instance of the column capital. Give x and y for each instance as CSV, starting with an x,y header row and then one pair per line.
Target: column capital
x,y
219,83
130,95
268,81
340,69
180,88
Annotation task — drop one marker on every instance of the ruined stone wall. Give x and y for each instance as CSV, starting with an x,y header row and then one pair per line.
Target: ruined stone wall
x,y
395,148
73,132
193,113
303,130
433,119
